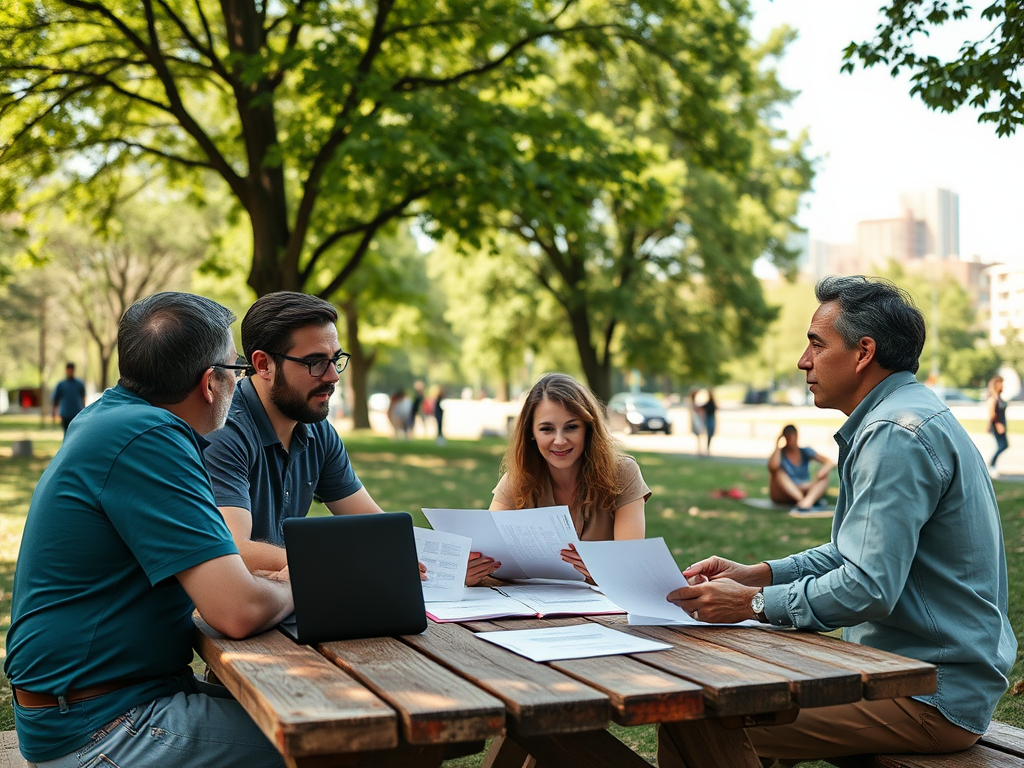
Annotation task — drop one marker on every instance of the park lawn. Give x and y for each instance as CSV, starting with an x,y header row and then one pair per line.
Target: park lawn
x,y
405,476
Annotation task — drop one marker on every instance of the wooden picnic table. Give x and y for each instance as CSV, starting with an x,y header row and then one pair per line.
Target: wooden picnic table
x,y
406,701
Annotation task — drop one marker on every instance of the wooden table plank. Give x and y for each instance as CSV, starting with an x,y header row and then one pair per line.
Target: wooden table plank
x,y
885,675
639,693
538,699
815,681
436,705
734,684
303,703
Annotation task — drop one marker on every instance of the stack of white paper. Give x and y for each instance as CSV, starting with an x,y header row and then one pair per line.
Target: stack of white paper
x,y
581,641
481,603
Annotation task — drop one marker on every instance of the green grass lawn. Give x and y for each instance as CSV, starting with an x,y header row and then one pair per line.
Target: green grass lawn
x,y
405,476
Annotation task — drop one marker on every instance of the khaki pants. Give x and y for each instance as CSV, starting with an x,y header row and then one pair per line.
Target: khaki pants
x,y
863,727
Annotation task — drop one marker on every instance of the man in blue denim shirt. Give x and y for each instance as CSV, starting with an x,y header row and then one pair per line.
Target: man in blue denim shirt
x,y
915,564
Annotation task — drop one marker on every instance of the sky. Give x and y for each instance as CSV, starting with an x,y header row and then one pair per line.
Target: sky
x,y
874,140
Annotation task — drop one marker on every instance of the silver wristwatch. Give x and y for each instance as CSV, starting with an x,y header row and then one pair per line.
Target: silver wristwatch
x,y
757,606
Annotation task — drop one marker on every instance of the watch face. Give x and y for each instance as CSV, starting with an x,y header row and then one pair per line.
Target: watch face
x,y
757,603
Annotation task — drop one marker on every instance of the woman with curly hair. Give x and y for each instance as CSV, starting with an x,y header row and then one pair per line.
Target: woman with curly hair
x,y
561,452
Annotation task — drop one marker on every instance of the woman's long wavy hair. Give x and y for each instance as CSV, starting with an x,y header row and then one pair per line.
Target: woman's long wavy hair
x,y
527,471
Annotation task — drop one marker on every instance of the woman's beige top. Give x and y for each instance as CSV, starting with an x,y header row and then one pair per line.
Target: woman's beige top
x,y
601,525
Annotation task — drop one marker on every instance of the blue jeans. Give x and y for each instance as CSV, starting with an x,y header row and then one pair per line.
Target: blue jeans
x,y
1001,445
186,730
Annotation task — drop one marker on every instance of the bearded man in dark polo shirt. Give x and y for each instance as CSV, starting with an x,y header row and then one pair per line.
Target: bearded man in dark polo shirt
x,y
277,451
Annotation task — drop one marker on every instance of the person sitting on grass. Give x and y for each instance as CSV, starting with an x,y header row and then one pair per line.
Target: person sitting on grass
x,y
789,476
562,452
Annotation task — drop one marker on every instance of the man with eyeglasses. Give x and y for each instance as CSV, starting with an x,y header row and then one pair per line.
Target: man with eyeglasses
x,y
277,452
123,540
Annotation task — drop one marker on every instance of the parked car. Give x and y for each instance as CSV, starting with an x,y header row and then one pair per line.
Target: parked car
x,y
953,395
638,412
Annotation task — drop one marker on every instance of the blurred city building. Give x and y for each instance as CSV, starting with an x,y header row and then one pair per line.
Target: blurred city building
x,y
1006,304
926,231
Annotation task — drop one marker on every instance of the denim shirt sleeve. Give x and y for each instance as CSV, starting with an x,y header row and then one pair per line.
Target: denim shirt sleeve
x,y
890,483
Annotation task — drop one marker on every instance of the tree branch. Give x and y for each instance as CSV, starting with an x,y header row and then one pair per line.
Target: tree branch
x,y
340,132
176,106
414,83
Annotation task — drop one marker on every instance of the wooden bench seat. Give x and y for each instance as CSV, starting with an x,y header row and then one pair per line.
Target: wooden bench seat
x,y
10,757
1002,746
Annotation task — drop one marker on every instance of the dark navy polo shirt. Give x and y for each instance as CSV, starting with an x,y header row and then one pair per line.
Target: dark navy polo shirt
x,y
251,469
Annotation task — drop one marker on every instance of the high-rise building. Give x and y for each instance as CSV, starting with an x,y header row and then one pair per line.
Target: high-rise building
x,y
1006,303
884,240
939,212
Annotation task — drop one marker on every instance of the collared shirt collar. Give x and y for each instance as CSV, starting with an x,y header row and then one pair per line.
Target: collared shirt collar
x,y
883,389
260,418
122,391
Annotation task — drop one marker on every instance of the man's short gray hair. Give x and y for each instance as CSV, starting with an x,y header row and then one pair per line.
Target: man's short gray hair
x,y
881,310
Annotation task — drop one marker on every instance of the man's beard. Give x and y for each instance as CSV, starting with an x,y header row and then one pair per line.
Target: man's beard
x,y
295,405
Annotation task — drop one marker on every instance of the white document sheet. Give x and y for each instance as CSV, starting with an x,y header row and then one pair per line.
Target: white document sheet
x,y
526,542
535,600
581,641
638,575
561,599
478,603
446,556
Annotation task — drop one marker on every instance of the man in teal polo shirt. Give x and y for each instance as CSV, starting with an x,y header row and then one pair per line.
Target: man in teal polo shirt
x,y
915,564
123,539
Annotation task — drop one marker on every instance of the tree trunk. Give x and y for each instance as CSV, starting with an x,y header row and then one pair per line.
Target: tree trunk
x,y
105,357
597,371
269,241
264,195
359,364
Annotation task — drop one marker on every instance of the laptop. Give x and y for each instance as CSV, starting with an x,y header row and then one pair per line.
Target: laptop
x,y
353,576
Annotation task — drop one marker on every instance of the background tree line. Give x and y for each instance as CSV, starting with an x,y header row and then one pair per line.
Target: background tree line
x,y
596,177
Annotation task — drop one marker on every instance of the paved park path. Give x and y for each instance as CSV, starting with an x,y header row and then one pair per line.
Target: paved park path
x,y
744,432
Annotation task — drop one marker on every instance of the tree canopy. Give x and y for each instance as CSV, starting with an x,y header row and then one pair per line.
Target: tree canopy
x,y
678,184
985,73
324,120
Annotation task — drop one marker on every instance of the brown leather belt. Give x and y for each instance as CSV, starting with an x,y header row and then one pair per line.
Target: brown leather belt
x,y
30,700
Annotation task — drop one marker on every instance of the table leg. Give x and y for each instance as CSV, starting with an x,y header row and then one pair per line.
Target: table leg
x,y
404,757
590,749
506,753
704,744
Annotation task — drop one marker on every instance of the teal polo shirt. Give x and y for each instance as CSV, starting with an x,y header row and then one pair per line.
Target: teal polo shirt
x,y
124,506
251,469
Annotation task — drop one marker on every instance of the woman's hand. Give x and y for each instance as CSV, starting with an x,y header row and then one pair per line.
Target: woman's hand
x,y
479,568
572,557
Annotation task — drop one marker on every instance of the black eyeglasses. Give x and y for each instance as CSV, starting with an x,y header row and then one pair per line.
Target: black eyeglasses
x,y
318,366
240,368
